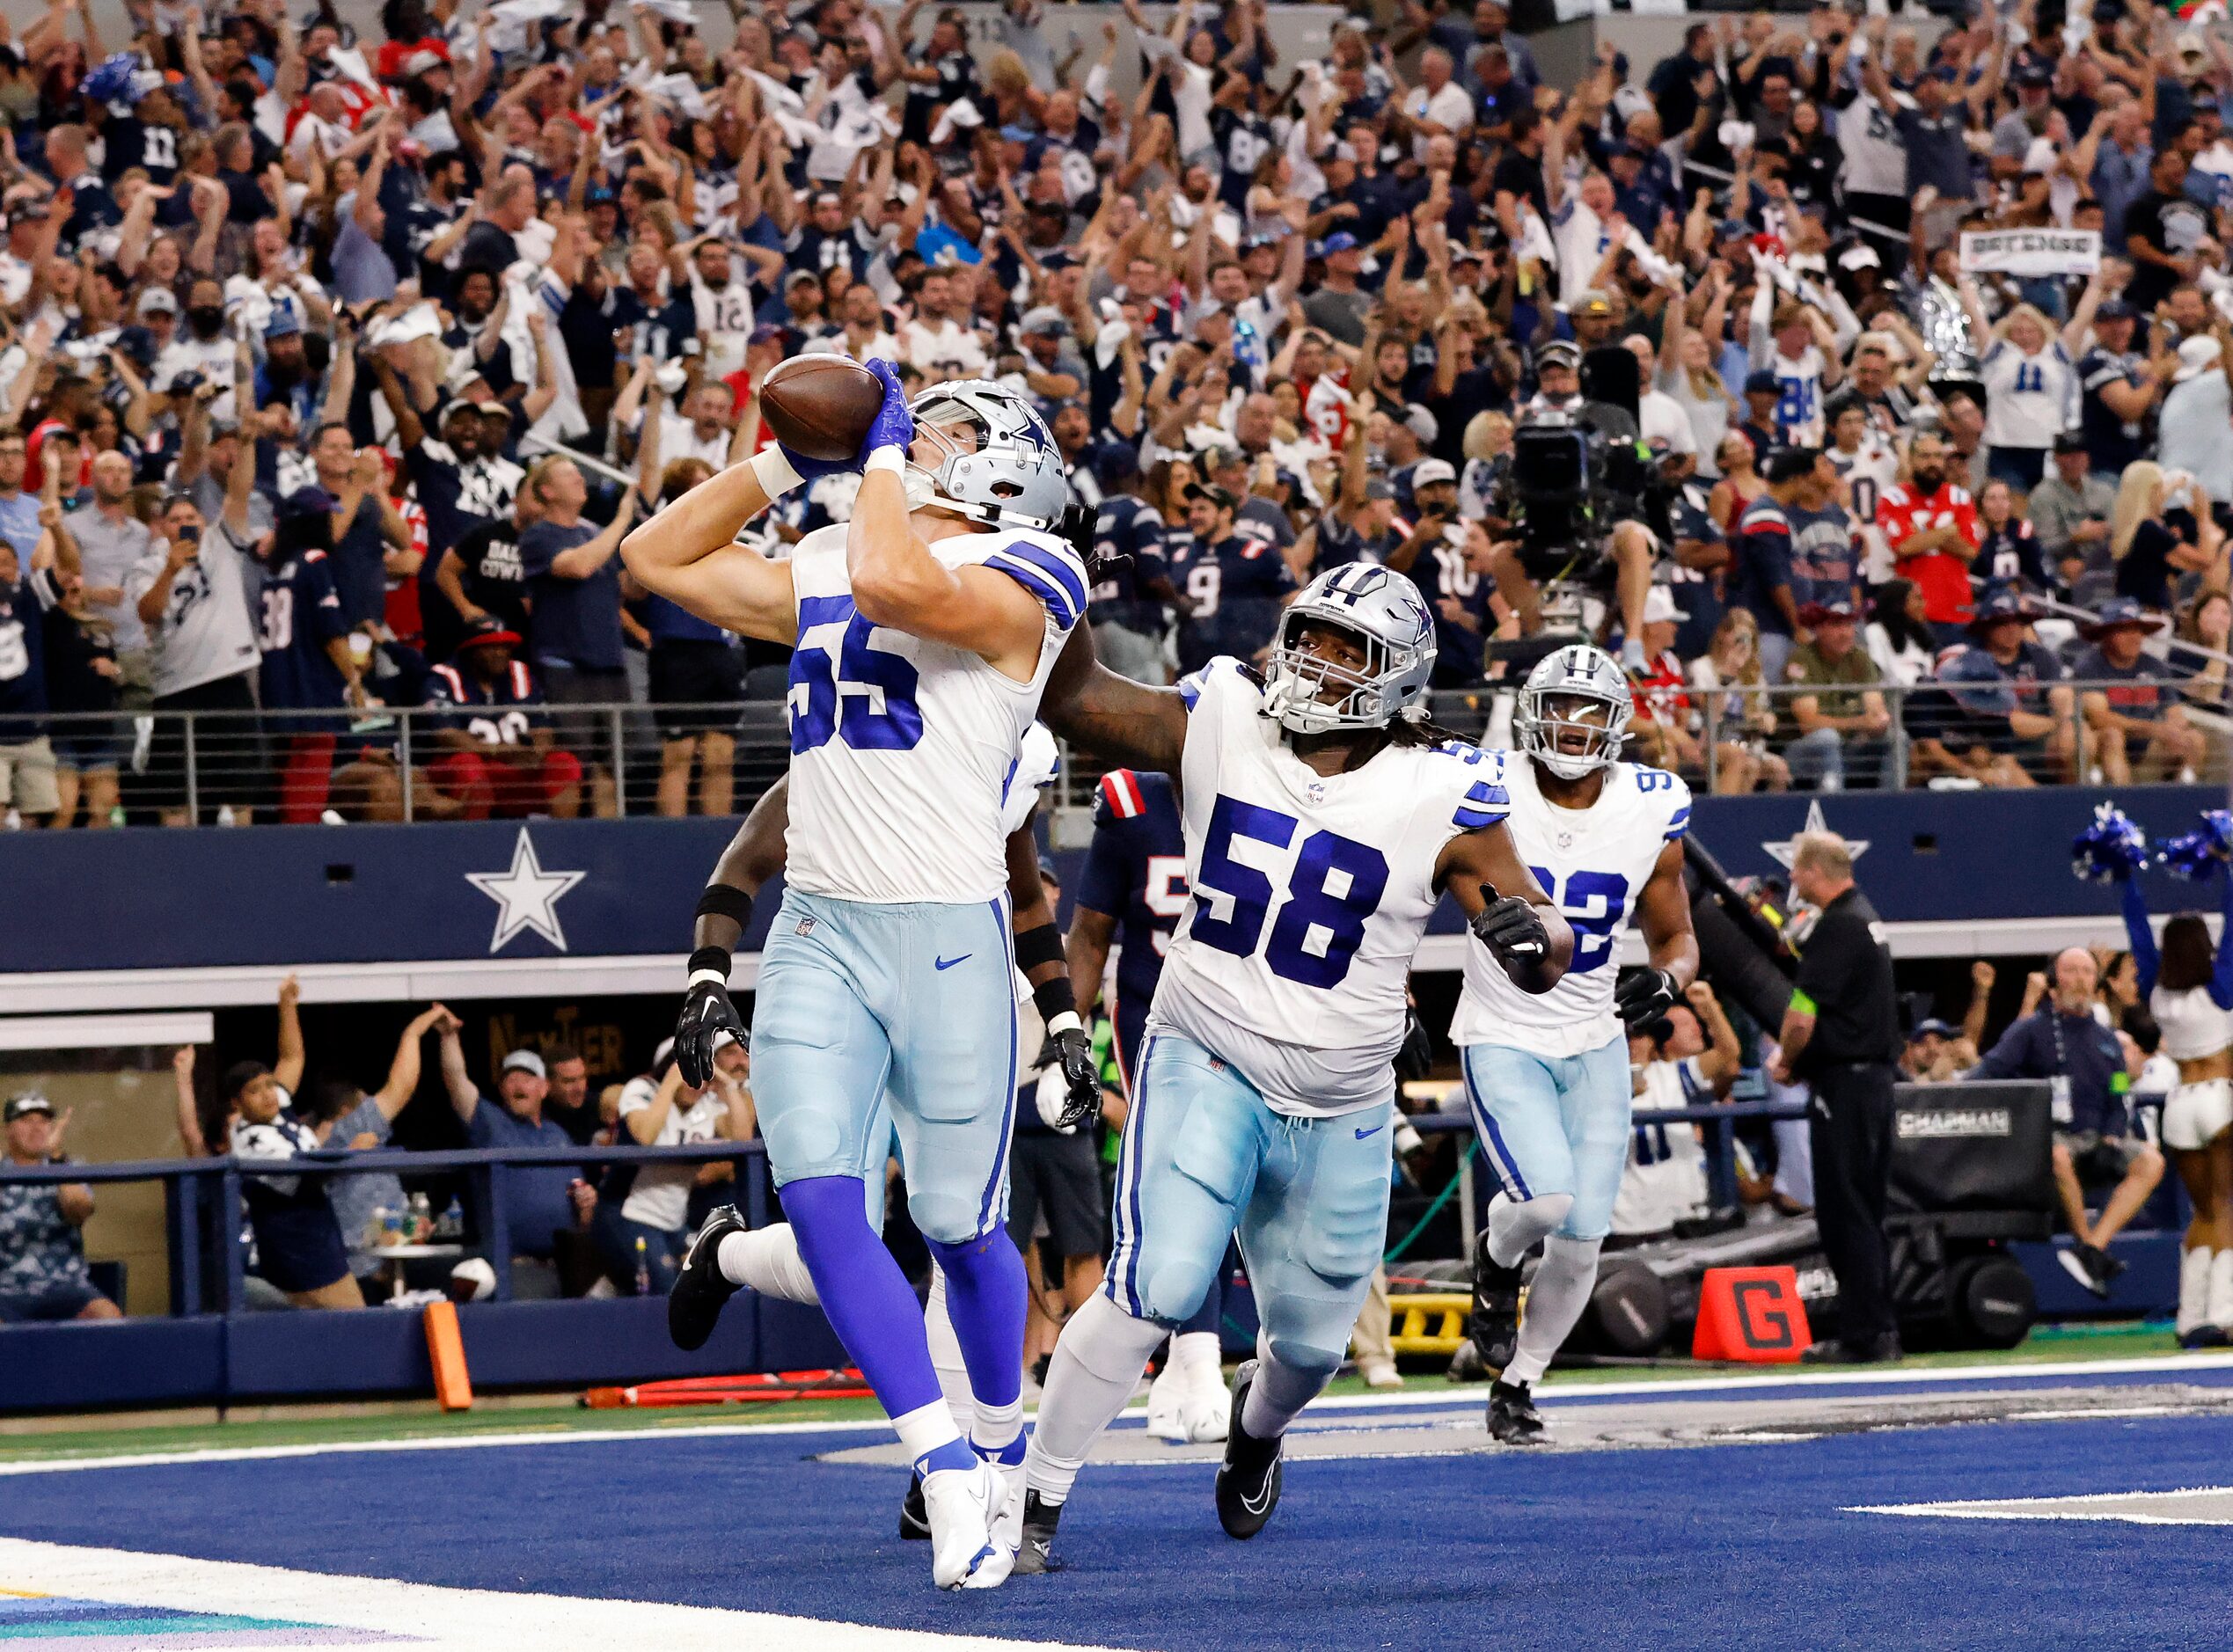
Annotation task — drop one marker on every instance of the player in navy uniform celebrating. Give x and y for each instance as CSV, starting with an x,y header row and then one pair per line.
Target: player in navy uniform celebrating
x,y
307,662
1132,892
1235,586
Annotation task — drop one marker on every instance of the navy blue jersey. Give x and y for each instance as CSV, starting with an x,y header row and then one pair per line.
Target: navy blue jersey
x,y
1455,594
1136,874
504,715
2110,442
128,143
1339,543
658,332
671,622
300,613
1128,552
1762,563
1234,589
22,656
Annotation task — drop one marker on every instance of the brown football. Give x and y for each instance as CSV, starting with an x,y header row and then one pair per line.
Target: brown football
x,y
821,406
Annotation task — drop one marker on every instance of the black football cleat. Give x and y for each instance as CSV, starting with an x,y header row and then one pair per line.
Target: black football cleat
x,y
914,1518
700,1292
1248,1479
1034,1555
1512,1417
1494,1324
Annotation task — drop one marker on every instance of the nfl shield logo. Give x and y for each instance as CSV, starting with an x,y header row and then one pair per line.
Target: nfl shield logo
x,y
806,926
1317,792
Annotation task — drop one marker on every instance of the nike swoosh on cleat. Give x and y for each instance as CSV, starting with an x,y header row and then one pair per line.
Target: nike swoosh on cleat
x,y
1375,1130
947,963
1255,1504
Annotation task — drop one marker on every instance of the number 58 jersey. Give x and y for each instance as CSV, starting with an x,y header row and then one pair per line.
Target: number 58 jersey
x,y
1592,863
901,749
1308,896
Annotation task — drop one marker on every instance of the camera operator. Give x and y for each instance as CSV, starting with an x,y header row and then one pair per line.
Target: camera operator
x,y
1578,464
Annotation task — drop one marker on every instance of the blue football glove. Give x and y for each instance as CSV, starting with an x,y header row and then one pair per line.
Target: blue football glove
x,y
812,471
2110,850
893,427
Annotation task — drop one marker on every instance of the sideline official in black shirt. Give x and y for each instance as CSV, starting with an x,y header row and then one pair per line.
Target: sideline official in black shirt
x,y
1841,1034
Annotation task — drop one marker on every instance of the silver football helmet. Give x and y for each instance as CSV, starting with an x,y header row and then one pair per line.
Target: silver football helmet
x,y
1012,478
1555,700
1386,611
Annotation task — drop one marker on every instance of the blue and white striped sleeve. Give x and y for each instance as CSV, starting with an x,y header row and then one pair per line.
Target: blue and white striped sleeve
x,y
1485,802
1054,575
1678,814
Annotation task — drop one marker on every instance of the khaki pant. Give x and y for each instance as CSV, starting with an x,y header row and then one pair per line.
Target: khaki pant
x,y
27,777
1373,1339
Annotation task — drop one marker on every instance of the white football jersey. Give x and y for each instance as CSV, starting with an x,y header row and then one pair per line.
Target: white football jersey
x,y
1309,895
1593,863
1036,765
1664,1181
1868,470
901,750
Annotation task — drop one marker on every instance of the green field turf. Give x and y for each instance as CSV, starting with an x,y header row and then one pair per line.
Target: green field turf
x,y
2118,1340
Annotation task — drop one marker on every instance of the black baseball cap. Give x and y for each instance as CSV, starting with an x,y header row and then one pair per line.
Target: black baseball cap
x,y
1215,494
2070,441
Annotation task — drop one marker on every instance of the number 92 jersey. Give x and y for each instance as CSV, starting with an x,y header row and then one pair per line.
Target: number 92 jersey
x,y
1592,863
1309,895
901,750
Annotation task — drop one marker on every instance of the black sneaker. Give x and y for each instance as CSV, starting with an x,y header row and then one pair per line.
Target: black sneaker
x,y
1494,1323
2088,1266
700,1292
1512,1417
1874,1351
1035,1554
914,1519
1248,1479
2202,1336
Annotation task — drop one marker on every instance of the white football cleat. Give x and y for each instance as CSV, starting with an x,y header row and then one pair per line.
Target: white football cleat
x,y
1206,1409
1007,1518
964,1505
1163,1397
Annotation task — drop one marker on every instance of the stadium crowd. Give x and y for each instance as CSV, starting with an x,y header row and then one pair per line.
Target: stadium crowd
x,y
299,329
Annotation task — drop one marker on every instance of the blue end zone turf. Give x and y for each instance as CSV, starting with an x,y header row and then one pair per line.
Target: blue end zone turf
x,y
1744,1544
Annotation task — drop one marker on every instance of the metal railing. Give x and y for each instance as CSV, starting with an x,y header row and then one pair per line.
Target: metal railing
x,y
205,1212
412,764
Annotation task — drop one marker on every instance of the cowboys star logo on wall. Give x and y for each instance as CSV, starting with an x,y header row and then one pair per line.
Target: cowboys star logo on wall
x,y
526,896
1787,848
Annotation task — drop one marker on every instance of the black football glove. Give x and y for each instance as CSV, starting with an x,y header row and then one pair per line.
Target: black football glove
x,y
706,1013
1644,996
1081,1094
1512,929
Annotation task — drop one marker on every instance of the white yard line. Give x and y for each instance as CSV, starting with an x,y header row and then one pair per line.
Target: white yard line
x,y
1445,1397
443,1620
2132,1507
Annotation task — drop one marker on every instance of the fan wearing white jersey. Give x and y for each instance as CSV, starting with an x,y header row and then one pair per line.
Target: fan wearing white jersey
x,y
924,631
1547,1075
1323,820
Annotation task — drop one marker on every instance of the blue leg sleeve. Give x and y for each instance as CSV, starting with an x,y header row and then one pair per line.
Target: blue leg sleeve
x,y
985,1297
870,1305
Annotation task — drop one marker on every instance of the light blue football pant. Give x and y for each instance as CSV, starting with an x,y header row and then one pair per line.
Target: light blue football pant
x,y
1205,1156
874,1020
1553,1124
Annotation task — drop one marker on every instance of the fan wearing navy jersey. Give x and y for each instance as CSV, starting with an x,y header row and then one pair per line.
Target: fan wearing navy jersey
x,y
482,577
498,758
27,597
298,1241
307,664
1234,586
1323,820
143,128
1132,892
1761,554
1445,558
1132,591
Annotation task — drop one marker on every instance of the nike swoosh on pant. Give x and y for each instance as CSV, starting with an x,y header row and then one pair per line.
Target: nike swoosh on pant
x,y
1375,1130
947,963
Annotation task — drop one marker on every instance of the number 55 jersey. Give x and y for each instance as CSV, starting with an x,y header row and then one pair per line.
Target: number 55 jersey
x,y
902,748
1593,863
1308,896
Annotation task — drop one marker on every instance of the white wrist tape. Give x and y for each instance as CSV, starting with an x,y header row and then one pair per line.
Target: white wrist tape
x,y
776,476
700,977
1066,1022
886,458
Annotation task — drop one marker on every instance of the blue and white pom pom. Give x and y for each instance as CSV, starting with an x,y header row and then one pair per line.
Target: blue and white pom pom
x,y
2111,848
2201,853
